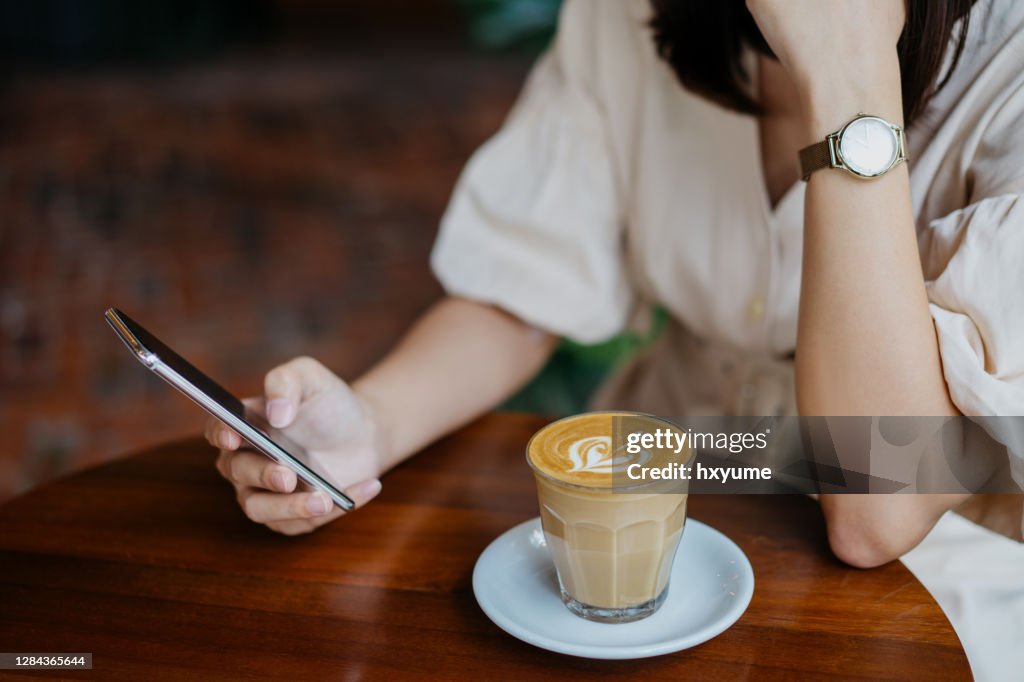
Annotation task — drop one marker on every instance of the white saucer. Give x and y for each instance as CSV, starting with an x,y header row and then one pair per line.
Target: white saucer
x,y
516,586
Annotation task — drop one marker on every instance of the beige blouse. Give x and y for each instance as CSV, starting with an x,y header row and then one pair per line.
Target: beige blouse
x,y
610,188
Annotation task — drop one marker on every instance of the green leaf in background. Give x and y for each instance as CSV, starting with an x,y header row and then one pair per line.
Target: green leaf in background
x,y
526,25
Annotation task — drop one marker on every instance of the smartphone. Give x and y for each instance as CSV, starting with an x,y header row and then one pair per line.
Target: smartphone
x,y
216,400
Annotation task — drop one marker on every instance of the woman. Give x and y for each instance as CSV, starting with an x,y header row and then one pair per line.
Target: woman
x,y
654,157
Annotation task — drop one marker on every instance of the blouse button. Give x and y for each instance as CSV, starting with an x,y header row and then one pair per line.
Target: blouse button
x,y
755,309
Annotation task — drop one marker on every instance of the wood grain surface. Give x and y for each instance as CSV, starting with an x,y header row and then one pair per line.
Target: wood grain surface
x,y
149,564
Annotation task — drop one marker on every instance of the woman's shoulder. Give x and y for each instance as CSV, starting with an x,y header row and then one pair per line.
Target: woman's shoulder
x,y
968,142
992,54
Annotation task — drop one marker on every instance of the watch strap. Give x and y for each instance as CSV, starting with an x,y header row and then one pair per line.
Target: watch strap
x,y
814,157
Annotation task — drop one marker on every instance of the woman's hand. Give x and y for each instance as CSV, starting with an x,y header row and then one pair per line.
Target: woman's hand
x,y
840,54
829,38
321,413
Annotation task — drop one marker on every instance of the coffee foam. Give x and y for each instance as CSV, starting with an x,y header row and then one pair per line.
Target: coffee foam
x,y
578,450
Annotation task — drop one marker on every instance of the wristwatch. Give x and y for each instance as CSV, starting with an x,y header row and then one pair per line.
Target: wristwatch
x,y
867,147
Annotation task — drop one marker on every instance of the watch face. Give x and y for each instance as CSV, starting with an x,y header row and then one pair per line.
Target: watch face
x,y
868,146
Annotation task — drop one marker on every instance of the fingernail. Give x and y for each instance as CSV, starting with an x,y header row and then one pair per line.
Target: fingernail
x,y
367,489
279,412
224,438
278,479
316,504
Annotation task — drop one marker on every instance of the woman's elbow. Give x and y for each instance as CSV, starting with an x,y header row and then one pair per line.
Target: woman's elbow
x,y
863,533
860,547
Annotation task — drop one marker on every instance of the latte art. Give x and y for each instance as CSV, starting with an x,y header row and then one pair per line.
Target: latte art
x,y
594,454
585,450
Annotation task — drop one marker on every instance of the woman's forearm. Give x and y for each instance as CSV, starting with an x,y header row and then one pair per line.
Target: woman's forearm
x,y
459,360
866,341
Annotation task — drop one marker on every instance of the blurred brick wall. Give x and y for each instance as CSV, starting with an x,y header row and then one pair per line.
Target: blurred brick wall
x,y
247,209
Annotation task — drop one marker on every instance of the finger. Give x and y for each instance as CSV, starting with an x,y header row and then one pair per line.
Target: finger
x,y
364,491
254,405
303,526
208,431
220,435
264,507
251,469
223,464
282,479
285,386
223,436
292,528
314,508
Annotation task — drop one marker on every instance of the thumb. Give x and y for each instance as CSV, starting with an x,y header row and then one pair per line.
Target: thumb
x,y
286,385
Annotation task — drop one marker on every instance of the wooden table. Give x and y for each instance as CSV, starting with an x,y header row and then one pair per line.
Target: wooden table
x,y
149,564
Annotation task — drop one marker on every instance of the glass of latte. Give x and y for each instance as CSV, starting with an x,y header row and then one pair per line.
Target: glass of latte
x,y
613,542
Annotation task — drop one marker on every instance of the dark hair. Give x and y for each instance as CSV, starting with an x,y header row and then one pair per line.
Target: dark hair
x,y
703,41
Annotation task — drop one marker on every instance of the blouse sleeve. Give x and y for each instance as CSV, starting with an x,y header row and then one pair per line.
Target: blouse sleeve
x,y
977,302
976,287
535,224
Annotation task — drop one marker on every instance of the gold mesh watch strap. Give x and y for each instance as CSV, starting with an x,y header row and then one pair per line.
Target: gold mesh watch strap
x,y
813,157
